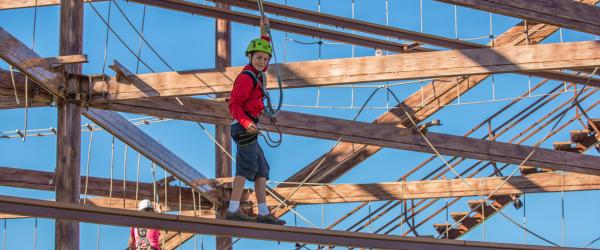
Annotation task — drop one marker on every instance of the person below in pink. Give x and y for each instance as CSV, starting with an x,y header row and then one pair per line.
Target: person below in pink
x,y
144,238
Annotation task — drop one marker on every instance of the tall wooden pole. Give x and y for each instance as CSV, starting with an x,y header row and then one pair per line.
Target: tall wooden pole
x,y
223,132
69,120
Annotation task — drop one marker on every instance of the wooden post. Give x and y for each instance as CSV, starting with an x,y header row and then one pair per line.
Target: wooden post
x,y
223,132
69,119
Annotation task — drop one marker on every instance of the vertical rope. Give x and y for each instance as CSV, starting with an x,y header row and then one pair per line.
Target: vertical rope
x,y
12,76
524,218
353,53
322,208
178,233
112,166
4,236
35,226
456,22
483,209
98,238
137,66
87,165
106,40
124,175
562,205
137,179
166,191
320,49
26,122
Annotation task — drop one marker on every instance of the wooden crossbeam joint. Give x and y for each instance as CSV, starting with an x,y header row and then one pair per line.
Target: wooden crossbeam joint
x,y
123,74
57,63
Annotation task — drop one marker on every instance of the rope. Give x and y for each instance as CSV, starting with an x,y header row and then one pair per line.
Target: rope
x,y
137,66
87,166
536,146
4,236
106,39
269,107
328,154
462,179
124,175
112,166
12,77
137,179
35,226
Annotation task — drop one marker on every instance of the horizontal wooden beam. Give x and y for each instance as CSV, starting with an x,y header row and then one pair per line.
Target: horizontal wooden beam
x,y
366,133
329,193
367,69
37,97
150,148
534,183
96,186
120,217
568,14
17,54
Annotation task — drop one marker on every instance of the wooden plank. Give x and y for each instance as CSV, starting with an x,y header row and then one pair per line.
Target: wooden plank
x,y
122,217
368,133
150,148
534,183
20,56
567,14
367,69
68,137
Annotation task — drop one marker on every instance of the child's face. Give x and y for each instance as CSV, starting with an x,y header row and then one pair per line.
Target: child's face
x,y
260,60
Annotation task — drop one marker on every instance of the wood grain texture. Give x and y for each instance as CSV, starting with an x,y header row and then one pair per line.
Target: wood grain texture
x,y
422,65
567,14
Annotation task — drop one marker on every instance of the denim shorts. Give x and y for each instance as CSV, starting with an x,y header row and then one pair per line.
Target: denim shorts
x,y
250,159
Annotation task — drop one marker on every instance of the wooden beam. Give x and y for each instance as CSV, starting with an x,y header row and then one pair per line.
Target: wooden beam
x,y
169,222
115,124
68,137
424,104
368,69
368,133
223,164
150,148
15,53
534,183
567,14
37,96
334,193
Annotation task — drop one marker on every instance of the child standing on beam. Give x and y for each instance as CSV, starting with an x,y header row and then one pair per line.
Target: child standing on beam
x,y
246,105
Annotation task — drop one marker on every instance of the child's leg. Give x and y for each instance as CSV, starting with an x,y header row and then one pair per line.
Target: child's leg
x,y
260,186
236,194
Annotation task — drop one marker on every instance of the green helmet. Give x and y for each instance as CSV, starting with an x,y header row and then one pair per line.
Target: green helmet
x,y
259,44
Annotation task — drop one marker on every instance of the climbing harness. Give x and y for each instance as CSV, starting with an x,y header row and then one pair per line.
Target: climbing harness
x,y
248,138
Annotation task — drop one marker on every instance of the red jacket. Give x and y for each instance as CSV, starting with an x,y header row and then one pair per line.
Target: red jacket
x,y
243,97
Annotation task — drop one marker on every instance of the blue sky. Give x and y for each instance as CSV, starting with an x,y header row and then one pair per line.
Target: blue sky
x,y
186,42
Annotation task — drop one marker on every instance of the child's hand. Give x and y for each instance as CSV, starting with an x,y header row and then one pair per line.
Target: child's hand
x,y
264,23
252,129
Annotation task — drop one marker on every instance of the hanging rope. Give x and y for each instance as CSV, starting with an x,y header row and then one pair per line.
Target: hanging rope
x,y
12,77
35,226
269,107
87,165
125,175
112,166
463,180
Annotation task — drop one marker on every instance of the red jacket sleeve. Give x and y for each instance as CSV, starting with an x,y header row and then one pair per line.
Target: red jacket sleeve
x,y
240,93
